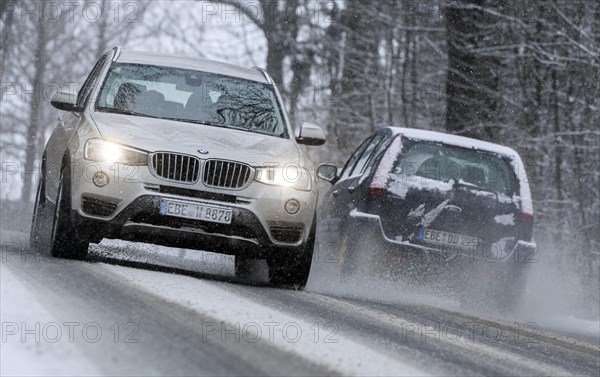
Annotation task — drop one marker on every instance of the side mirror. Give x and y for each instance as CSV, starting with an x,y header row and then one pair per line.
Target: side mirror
x,y
311,134
65,101
327,172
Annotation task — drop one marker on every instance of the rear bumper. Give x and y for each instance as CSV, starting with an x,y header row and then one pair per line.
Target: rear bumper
x,y
503,251
140,221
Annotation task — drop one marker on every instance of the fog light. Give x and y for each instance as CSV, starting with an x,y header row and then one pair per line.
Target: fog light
x,y
292,206
100,179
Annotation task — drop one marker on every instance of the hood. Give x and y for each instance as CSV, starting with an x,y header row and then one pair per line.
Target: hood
x,y
151,134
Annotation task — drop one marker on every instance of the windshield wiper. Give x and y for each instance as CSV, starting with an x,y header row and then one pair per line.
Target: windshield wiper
x,y
130,112
123,111
195,122
210,124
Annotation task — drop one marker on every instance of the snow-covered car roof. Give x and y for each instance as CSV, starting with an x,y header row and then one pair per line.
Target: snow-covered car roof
x,y
186,62
461,141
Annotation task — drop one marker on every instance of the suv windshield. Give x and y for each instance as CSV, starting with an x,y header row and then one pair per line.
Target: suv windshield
x,y
192,96
427,161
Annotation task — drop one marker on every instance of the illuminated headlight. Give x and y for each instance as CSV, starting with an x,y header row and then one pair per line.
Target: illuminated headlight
x,y
289,176
104,151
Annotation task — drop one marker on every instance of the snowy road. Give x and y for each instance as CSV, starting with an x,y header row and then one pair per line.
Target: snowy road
x,y
94,317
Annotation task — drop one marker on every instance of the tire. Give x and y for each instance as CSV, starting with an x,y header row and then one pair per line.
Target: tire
x,y
292,270
289,271
499,291
349,254
63,241
359,255
507,298
245,268
350,261
40,219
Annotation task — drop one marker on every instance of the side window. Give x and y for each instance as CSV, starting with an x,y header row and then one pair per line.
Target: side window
x,y
367,153
379,149
88,85
352,161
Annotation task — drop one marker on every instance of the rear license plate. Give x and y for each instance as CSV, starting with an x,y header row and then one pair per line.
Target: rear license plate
x,y
196,211
440,237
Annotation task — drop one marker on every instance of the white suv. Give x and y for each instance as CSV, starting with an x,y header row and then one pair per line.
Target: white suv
x,y
179,152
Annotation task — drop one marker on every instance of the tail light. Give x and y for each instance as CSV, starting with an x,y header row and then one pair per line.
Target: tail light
x,y
376,192
527,217
380,178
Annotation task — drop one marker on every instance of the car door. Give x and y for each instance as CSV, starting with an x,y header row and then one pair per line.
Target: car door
x,y
348,194
339,201
329,213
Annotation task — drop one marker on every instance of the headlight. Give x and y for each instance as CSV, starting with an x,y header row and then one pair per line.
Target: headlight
x,y
289,176
104,151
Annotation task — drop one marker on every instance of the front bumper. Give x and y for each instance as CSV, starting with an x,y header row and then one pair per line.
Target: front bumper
x,y
141,221
128,208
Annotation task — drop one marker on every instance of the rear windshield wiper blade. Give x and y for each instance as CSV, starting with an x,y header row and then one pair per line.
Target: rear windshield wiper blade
x,y
469,185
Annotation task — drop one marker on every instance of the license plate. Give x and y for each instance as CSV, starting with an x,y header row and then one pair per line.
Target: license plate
x,y
440,237
196,211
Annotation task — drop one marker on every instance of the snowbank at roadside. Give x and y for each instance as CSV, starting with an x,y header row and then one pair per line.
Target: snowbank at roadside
x,y
31,342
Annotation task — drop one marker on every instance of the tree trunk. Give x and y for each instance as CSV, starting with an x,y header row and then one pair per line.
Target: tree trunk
x,y
35,110
557,154
472,77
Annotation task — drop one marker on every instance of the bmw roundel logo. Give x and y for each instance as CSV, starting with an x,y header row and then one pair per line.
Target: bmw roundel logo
x,y
202,151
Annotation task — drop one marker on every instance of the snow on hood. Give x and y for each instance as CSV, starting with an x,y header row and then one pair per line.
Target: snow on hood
x,y
151,134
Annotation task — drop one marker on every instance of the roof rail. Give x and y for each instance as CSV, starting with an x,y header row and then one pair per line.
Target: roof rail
x,y
267,77
117,51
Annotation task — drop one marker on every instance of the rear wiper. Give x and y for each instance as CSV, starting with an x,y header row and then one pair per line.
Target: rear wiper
x,y
456,184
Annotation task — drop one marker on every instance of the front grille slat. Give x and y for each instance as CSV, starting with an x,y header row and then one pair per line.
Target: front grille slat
x,y
233,174
226,174
196,164
238,179
176,167
162,167
169,167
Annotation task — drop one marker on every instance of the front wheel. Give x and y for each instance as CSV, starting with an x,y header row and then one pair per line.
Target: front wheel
x,y
64,242
246,269
292,269
289,270
40,219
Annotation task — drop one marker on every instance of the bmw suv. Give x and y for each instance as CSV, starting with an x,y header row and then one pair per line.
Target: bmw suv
x,y
408,200
180,152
